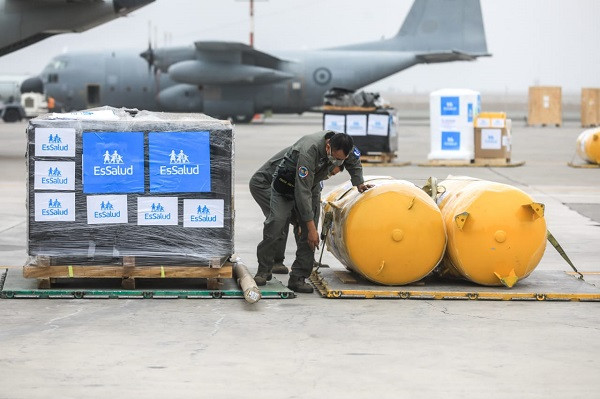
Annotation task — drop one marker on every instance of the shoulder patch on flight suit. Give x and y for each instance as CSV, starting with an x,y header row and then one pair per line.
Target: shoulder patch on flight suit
x,y
302,171
356,151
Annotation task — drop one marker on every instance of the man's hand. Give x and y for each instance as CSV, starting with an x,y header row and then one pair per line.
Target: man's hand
x,y
363,187
313,235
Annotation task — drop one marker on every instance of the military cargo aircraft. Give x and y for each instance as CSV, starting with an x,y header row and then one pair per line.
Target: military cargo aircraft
x,y
227,79
24,22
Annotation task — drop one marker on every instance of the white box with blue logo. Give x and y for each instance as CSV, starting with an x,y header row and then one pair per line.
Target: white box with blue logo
x,y
452,113
109,183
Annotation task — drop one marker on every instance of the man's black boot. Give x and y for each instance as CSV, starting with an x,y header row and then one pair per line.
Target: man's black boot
x,y
261,278
279,268
297,284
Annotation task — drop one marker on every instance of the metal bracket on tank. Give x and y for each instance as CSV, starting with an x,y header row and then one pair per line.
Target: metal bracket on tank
x,y
461,219
537,208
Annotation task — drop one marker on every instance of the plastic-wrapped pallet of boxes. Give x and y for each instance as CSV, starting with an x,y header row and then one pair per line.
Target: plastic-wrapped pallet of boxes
x,y
108,183
372,132
452,113
492,136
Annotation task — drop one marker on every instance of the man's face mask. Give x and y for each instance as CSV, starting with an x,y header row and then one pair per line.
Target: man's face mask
x,y
334,160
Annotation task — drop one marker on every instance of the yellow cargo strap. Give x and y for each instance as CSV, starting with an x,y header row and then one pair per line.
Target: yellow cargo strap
x,y
562,253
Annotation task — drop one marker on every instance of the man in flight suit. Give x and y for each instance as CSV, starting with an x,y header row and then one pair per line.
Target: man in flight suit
x,y
296,188
260,188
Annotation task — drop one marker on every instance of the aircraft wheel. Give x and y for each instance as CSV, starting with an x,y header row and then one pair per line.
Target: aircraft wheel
x,y
11,115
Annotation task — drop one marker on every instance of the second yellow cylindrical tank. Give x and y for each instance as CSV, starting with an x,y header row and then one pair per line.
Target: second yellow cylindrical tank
x,y
588,145
392,234
496,232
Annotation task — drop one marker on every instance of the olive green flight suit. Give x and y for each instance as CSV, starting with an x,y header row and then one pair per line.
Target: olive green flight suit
x,y
260,188
307,160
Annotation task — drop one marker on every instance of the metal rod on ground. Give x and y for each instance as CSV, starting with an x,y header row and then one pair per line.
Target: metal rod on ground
x,y
246,282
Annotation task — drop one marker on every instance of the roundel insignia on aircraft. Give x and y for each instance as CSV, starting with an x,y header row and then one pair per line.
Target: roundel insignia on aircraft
x,y
356,151
302,171
322,76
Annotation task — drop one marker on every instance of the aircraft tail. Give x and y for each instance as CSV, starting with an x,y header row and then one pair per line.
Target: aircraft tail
x,y
436,30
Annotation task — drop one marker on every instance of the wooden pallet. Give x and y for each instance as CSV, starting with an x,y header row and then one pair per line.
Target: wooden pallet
x,y
478,162
382,159
352,108
127,272
543,124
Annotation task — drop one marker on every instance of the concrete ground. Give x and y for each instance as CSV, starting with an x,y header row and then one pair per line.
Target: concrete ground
x,y
309,346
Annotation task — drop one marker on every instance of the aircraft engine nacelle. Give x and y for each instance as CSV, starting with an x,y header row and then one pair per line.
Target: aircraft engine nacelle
x,y
588,145
213,73
496,232
392,234
181,98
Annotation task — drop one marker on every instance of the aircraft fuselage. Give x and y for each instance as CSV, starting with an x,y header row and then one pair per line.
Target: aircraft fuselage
x,y
123,79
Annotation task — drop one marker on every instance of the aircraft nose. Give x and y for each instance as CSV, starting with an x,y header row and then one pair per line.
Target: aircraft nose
x,y
129,5
32,85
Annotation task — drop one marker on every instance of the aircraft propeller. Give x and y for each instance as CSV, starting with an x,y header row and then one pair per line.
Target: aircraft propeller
x,y
148,55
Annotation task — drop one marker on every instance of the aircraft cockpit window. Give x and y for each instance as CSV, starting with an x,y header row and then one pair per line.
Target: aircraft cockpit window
x,y
58,64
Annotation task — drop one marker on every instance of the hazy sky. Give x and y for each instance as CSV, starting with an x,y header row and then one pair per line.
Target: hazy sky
x,y
533,42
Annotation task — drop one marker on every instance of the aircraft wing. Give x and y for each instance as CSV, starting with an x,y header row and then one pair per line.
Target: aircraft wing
x,y
218,63
248,53
24,22
447,56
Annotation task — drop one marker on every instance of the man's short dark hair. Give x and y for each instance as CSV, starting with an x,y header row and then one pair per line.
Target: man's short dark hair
x,y
341,141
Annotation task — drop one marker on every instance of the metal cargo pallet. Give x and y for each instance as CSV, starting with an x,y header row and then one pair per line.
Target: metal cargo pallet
x,y
14,285
539,286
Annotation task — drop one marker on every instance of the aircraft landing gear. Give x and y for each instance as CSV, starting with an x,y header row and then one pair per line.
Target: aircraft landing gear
x,y
242,118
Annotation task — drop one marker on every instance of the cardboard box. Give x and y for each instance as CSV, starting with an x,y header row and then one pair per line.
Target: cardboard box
x,y
545,105
491,120
493,142
590,107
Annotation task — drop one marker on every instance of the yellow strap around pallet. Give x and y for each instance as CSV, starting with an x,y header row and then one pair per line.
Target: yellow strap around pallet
x,y
162,272
70,271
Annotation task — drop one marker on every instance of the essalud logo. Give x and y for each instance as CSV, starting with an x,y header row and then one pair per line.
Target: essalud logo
x,y
179,164
157,213
113,166
203,215
54,177
106,211
55,144
54,208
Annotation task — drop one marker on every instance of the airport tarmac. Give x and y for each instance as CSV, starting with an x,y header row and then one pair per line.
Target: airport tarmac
x,y
310,346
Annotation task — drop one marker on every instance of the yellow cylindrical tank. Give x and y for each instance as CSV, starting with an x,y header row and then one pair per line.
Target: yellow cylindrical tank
x,y
496,232
588,145
392,234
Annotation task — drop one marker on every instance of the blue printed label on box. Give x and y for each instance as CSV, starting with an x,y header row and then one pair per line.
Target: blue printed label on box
x,y
450,141
450,105
179,162
54,142
113,162
470,112
106,209
54,207
52,175
157,211
207,213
